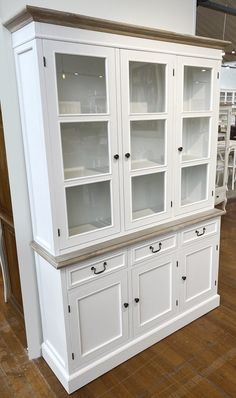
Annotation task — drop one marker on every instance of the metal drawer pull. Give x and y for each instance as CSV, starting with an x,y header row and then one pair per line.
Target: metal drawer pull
x,y
99,272
200,234
155,251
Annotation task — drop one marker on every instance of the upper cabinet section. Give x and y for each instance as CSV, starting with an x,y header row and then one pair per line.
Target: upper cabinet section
x,y
120,133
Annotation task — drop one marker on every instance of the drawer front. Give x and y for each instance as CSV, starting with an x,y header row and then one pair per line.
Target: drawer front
x,y
154,248
200,231
92,270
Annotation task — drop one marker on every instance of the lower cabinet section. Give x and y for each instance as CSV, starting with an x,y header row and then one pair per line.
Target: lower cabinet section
x,y
93,321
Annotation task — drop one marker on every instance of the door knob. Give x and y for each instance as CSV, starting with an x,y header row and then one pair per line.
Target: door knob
x,y
126,305
116,156
136,300
127,155
180,148
184,278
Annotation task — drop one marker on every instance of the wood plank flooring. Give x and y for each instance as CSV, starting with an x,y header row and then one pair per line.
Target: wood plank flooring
x,y
197,361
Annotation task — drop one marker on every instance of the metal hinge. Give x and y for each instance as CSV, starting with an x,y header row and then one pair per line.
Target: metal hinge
x,y
59,232
171,204
68,308
44,62
173,72
177,264
212,193
217,247
218,75
177,303
215,283
73,356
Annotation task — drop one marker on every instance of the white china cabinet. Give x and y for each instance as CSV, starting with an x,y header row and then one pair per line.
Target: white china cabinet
x,y
120,135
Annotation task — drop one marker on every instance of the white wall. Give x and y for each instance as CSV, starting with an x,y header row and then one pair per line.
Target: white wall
x,y
171,15
174,15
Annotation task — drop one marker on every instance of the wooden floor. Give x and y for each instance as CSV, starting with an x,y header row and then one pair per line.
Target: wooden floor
x,y
197,361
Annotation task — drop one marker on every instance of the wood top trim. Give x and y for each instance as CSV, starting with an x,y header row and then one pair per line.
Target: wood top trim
x,y
124,241
45,15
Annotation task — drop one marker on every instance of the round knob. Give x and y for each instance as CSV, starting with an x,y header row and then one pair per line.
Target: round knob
x,y
180,149
184,278
126,305
127,155
136,300
116,156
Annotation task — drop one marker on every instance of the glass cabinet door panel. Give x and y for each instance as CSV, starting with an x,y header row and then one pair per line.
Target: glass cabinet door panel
x,y
193,184
148,195
196,132
197,88
85,149
147,87
147,143
220,167
88,207
81,84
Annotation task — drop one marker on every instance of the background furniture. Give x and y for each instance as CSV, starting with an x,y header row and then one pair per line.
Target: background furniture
x,y
120,146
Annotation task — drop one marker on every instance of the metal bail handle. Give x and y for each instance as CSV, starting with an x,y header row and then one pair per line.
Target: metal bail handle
x,y
155,251
99,272
200,234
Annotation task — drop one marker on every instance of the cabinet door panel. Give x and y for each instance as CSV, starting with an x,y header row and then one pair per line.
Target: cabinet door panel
x,y
147,109
154,293
199,272
98,318
196,122
81,90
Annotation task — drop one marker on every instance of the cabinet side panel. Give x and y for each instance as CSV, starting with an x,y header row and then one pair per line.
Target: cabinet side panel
x,y
52,310
34,145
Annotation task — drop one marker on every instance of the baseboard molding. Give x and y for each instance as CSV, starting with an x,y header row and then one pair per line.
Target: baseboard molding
x,y
90,372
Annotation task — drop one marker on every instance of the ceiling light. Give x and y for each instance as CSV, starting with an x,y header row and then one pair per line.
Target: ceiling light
x,y
63,76
223,53
233,51
203,70
76,73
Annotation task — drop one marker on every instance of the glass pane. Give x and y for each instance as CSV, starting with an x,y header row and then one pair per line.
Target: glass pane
x,y
81,84
148,194
147,143
85,149
147,87
193,184
88,207
195,138
197,88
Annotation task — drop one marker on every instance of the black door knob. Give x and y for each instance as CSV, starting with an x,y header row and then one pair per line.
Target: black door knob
x,y
126,305
136,300
127,155
116,156
180,149
184,278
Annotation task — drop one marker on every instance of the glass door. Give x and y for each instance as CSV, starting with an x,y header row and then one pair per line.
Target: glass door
x,y
146,115
197,134
83,131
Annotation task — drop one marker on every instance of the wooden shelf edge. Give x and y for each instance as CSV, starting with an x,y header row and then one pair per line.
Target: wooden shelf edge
x,y
46,15
124,241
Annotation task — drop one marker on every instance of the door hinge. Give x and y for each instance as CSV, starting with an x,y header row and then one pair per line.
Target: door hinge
x,y
177,264
217,247
171,204
177,303
215,283
44,62
58,232
173,72
212,193
73,356
68,308
218,75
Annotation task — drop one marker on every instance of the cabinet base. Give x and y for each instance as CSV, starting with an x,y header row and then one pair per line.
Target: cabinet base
x,y
97,368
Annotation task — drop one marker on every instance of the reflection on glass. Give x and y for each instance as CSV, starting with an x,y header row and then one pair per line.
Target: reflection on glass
x,y
147,87
147,143
197,88
88,207
195,138
193,184
81,84
85,149
220,167
148,195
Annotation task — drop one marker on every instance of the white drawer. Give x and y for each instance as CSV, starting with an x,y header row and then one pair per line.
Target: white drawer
x,y
91,270
154,248
200,231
